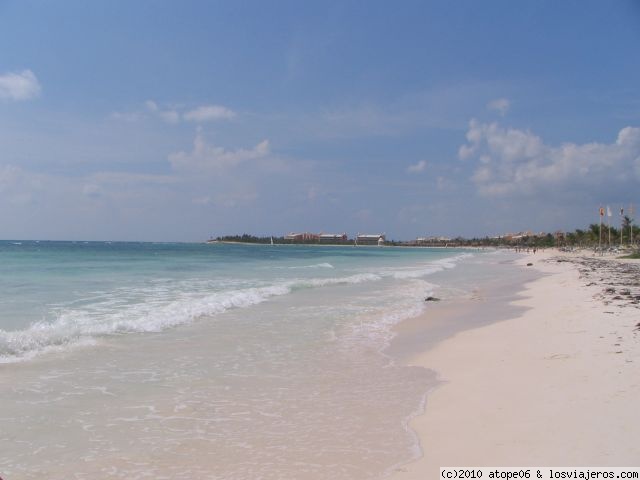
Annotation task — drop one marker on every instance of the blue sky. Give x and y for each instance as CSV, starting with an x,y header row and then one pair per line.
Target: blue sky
x,y
158,120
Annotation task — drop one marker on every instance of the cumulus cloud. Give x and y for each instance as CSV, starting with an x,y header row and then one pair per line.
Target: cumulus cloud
x,y
207,113
418,167
500,105
207,157
514,161
19,86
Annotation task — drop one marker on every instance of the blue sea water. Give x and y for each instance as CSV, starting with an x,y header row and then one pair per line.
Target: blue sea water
x,y
209,361
60,293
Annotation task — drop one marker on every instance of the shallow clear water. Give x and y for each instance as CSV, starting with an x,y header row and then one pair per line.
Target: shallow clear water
x,y
140,360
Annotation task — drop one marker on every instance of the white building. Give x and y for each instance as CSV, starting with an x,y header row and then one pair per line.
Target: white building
x,y
370,239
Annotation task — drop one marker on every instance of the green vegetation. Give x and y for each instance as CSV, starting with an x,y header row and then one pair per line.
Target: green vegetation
x,y
588,238
246,238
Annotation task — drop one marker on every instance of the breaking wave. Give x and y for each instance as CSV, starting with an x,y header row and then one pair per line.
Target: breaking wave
x,y
160,307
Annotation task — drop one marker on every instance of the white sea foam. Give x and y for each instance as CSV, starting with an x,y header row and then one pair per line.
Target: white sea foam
x,y
104,318
165,304
301,371
315,265
376,328
428,269
154,311
322,282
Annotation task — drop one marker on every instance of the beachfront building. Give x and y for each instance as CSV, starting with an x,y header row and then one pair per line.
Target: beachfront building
x,y
370,239
521,236
333,237
302,237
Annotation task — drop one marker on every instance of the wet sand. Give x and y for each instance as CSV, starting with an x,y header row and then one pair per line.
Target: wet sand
x,y
556,383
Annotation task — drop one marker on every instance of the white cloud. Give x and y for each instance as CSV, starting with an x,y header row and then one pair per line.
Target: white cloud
x,y
151,106
228,199
418,167
500,105
129,117
202,200
169,116
443,183
128,178
207,157
207,113
175,114
19,86
513,161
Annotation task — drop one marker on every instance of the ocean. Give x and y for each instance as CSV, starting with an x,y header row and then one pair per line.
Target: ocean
x,y
212,361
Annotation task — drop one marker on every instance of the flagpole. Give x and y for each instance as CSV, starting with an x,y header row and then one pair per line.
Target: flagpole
x,y
621,225
631,225
600,232
609,225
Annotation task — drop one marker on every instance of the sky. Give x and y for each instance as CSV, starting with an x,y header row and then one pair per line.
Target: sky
x,y
181,120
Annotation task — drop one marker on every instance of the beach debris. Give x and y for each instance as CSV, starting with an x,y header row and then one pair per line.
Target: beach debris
x,y
638,326
619,282
432,299
529,264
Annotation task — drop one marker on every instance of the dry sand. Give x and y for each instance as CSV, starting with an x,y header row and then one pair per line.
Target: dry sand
x,y
559,385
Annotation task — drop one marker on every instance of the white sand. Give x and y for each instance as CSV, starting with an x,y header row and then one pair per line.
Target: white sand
x,y
557,386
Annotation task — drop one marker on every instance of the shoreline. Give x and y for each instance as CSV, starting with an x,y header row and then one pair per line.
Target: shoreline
x,y
441,247
551,381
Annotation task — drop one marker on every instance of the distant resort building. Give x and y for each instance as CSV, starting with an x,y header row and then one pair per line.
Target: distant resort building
x,y
519,236
335,238
332,237
432,240
370,239
302,237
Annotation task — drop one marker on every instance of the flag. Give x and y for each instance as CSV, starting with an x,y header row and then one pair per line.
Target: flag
x,y
621,212
601,212
608,211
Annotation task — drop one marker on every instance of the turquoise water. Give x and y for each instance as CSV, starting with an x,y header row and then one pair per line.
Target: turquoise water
x,y
60,293
182,361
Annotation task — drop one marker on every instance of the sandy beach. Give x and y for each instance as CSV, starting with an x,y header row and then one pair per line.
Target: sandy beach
x,y
556,384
